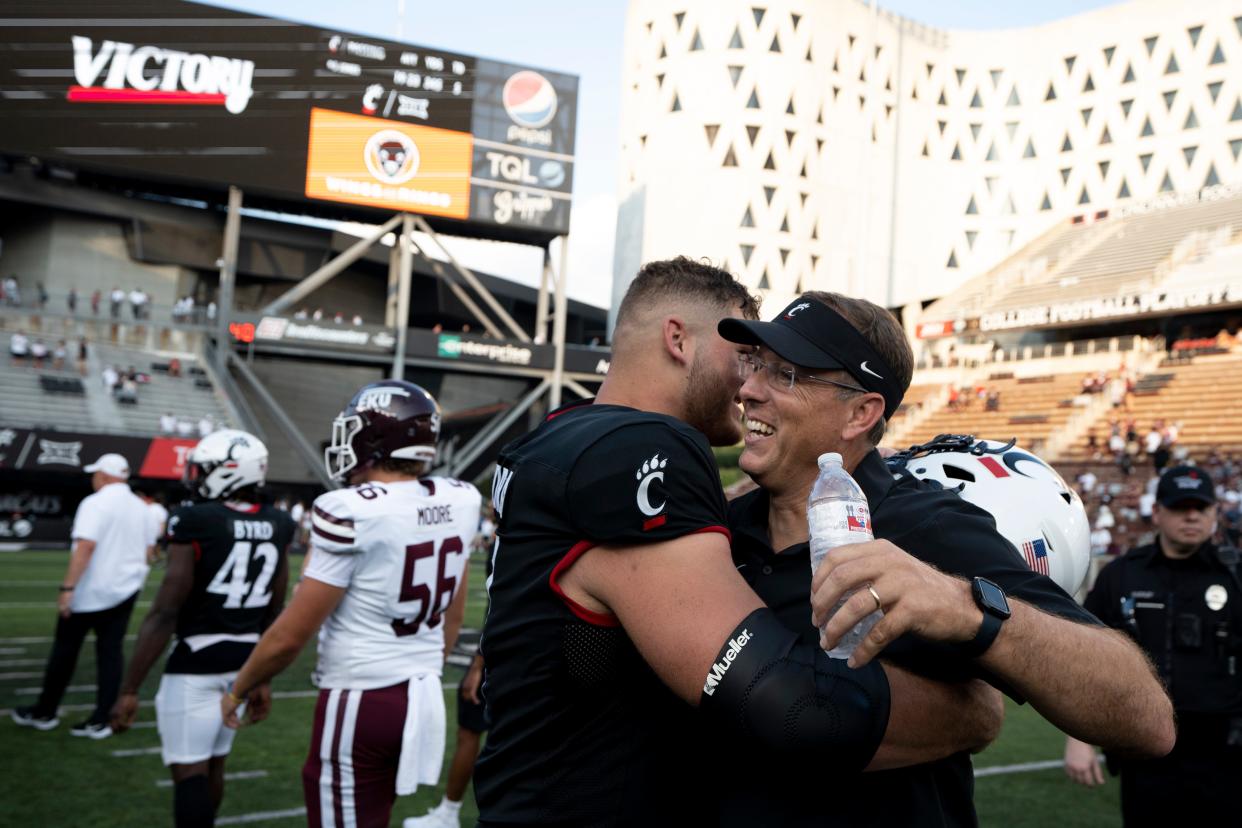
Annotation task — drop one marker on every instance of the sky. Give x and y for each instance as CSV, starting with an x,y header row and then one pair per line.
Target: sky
x,y
582,37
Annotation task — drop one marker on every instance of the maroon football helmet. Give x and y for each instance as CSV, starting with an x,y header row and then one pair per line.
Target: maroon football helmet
x,y
389,418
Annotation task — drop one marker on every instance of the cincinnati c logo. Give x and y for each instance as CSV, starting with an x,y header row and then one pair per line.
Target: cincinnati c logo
x,y
650,471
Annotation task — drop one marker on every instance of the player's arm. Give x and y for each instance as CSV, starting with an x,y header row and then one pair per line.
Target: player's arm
x,y
280,645
1090,681
455,614
79,558
156,629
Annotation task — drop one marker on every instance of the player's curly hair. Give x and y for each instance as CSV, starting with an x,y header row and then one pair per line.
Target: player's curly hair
x,y
677,280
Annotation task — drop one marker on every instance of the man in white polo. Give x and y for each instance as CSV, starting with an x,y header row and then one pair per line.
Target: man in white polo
x,y
112,532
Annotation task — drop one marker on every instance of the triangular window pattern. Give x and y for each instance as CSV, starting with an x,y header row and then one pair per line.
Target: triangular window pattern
x,y
747,251
975,129
680,17
1212,178
735,42
753,103
711,130
1194,32
785,225
696,45
976,101
642,140
808,57
751,132
814,232
735,74
1089,85
1214,90
1066,145
763,280
942,101
931,67
758,13
1046,204
925,153
957,153
1166,186
942,125
1065,174
990,182
1147,130
1217,56
1145,160
1012,128
1237,21
1106,137
789,108
768,192
836,67
952,260
914,91
795,19
1189,154
1192,121
862,73
1129,78
1169,98
663,51
1171,68
1108,55
996,76
748,220
730,160
1029,152
991,153
961,74
789,136
776,44
676,107
1236,115
819,144
1235,146
1124,192
972,209
1069,63
784,255
1052,93
1083,198
660,81
1125,107
1086,115
1009,208
803,196
1150,43
1013,98
770,164
971,235
1104,165
836,90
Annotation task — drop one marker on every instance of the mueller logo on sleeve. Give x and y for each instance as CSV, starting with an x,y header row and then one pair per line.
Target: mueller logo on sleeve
x,y
155,75
717,673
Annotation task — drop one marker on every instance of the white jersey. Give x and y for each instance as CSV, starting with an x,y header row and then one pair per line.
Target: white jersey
x,y
399,550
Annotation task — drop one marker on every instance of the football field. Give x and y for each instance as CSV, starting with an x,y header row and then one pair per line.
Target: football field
x,y
54,779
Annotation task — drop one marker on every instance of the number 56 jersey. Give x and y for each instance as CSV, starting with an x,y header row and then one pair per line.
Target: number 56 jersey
x,y
399,550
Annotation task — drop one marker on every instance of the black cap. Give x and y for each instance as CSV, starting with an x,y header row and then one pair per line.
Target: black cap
x,y
1182,484
811,334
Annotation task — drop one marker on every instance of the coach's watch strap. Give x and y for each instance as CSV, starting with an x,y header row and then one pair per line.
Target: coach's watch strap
x,y
988,630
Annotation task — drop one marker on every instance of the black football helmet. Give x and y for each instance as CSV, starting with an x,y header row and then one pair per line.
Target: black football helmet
x,y
389,418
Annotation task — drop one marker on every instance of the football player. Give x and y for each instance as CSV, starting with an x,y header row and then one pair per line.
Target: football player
x,y
385,586
225,582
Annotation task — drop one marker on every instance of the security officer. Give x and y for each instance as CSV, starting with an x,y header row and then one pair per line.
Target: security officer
x,y
1180,598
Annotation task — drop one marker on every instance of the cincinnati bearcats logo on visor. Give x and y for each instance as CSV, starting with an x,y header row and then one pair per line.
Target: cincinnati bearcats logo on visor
x,y
801,306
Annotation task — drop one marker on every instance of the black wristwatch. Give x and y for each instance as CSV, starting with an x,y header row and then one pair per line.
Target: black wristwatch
x,y
995,605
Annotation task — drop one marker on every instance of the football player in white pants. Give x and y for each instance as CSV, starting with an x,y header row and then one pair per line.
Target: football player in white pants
x,y
225,583
384,584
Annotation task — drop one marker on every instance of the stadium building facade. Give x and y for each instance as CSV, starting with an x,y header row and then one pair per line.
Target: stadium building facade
x,y
830,145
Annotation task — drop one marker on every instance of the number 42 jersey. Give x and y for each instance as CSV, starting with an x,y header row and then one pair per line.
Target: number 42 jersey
x,y
399,550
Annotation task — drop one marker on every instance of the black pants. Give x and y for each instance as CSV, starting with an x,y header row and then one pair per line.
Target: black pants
x,y
109,626
1196,785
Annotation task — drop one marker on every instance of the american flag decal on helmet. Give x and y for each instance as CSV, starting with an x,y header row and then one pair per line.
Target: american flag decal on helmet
x,y
1036,554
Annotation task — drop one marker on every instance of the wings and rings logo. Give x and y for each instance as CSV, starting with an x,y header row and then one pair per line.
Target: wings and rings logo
x,y
650,472
391,156
530,99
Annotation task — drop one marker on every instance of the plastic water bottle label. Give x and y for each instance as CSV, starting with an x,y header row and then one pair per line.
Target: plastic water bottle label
x,y
834,523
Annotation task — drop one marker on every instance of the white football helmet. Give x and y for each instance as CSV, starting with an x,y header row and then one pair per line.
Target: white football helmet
x,y
224,462
1033,507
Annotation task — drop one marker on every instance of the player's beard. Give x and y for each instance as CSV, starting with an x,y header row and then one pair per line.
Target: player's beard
x,y
711,405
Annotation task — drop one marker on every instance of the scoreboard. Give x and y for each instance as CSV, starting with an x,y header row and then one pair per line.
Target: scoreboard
x,y
192,94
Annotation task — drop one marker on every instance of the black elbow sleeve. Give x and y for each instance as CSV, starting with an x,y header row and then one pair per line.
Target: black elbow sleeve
x,y
792,698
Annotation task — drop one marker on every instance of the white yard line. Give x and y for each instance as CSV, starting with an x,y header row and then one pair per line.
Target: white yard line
x,y
21,662
228,777
15,605
122,754
43,639
73,688
12,650
1021,767
74,708
4,584
261,816
16,676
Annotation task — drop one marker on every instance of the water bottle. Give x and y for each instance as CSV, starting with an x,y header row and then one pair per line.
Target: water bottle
x,y
837,514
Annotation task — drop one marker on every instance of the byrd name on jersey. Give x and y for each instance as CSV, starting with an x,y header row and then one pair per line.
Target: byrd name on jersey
x,y
238,549
399,549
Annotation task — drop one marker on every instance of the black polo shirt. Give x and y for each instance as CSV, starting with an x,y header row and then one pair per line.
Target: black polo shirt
x,y
1186,614
938,527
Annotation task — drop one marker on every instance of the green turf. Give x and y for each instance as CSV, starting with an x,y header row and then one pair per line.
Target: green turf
x,y
53,779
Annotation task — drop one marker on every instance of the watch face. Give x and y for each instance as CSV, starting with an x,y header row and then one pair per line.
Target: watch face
x,y
993,597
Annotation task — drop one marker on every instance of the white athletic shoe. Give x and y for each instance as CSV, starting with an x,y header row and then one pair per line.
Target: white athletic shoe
x,y
91,730
437,817
28,717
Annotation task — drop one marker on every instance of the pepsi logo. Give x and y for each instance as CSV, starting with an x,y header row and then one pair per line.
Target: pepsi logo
x,y
530,99
391,156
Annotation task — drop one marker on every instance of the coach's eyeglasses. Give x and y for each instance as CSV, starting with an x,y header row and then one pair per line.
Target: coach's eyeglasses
x,y
782,376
